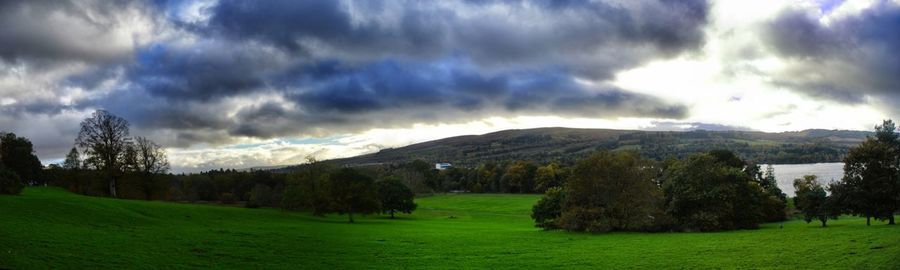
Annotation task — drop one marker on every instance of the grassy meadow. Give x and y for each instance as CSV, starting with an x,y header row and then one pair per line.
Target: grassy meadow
x,y
51,228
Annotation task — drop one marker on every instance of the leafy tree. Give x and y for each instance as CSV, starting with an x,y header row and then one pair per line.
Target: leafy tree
x,y
611,191
10,183
549,208
519,177
548,176
73,160
306,188
489,175
349,192
105,138
776,201
17,154
708,192
871,180
813,201
395,196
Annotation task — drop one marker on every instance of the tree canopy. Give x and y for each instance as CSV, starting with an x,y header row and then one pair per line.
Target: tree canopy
x,y
871,182
349,192
395,196
17,155
813,201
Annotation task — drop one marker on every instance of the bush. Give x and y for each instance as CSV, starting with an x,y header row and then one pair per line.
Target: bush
x,y
546,211
10,183
228,198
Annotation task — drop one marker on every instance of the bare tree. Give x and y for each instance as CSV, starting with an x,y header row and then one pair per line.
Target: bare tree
x,y
151,158
105,138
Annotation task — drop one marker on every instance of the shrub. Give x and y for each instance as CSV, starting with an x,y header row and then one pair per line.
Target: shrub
x,y
546,211
10,183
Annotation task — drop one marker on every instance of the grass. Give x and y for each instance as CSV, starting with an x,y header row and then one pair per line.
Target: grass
x,y
50,228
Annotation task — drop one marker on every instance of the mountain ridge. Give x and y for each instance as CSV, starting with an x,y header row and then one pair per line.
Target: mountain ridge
x,y
566,145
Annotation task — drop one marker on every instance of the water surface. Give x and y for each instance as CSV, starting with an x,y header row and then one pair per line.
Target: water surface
x,y
786,173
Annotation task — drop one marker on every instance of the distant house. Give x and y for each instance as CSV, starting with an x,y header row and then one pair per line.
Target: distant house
x,y
442,166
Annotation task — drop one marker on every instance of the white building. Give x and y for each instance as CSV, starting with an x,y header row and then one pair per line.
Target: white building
x,y
442,166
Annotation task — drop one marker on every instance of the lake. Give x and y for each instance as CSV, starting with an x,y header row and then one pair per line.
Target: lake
x,y
786,173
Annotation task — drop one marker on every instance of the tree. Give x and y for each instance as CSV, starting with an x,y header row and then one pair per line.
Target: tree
x,y
776,201
150,157
306,189
10,183
73,160
350,192
105,138
148,160
549,208
871,180
489,175
519,177
549,176
708,192
813,201
889,198
17,154
395,196
611,191
129,158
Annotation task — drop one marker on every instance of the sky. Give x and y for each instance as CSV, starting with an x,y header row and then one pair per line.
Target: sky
x,y
238,84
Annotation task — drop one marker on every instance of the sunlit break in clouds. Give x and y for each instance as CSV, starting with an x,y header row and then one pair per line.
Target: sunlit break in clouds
x,y
239,84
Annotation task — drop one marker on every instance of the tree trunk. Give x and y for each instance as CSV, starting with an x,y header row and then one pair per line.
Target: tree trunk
x,y
392,216
891,220
824,220
112,188
868,220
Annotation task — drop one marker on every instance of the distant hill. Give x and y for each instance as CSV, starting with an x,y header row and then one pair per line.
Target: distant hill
x,y
568,144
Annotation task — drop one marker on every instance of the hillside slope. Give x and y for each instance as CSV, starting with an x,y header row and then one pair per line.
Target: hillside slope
x,y
569,144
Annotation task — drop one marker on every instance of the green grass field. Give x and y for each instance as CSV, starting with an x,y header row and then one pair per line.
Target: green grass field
x,y
50,228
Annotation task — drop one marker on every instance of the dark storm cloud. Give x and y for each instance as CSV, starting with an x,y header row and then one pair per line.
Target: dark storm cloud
x,y
847,60
331,96
202,72
455,85
525,32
